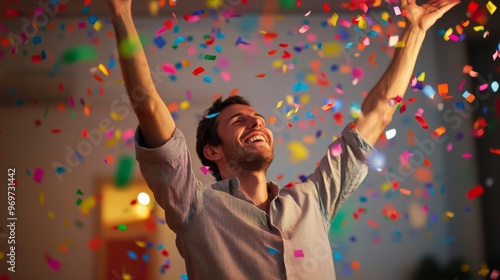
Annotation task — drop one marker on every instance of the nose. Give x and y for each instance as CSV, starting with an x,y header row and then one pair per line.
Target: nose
x,y
256,122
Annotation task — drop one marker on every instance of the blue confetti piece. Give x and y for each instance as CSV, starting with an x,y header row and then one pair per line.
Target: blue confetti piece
x,y
159,247
337,256
60,170
297,49
303,178
184,277
85,10
132,255
352,239
272,251
173,78
324,23
220,36
159,42
111,63
213,115
218,48
207,79
318,133
319,45
362,199
37,40
177,29
93,19
334,67
429,91
145,257
44,55
349,45
178,65
460,105
179,40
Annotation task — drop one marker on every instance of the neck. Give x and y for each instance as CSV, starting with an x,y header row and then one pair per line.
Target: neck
x,y
254,186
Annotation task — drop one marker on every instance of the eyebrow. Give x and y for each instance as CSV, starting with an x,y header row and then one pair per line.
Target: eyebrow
x,y
240,114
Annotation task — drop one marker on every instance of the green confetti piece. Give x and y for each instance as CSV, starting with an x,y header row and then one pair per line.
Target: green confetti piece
x,y
125,171
79,192
288,4
128,47
79,201
122,227
77,54
209,57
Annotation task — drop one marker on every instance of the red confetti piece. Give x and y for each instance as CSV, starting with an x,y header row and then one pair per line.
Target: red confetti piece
x,y
198,71
475,192
282,45
133,202
495,151
94,243
98,78
84,133
326,7
372,224
55,131
286,55
164,252
289,185
260,75
272,52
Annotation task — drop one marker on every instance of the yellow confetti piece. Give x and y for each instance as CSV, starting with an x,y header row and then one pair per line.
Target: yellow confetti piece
x,y
464,267
140,243
484,270
385,16
97,25
118,133
214,4
421,77
449,214
298,152
87,204
111,142
277,64
491,7
362,23
385,187
51,215
184,105
310,77
289,99
284,68
478,28
331,49
279,104
447,34
103,69
41,198
400,44
115,116
304,99
334,19
291,112
154,8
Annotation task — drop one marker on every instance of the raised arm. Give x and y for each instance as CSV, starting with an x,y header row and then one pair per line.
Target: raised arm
x,y
155,120
376,110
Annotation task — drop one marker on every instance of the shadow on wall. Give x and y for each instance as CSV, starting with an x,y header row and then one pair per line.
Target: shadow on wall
x,y
430,269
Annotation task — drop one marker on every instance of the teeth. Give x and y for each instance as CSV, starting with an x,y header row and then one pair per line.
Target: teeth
x,y
255,138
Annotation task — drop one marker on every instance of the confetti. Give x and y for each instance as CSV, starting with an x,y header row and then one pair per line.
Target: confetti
x,y
198,71
298,253
38,175
298,152
475,192
78,54
94,243
52,263
391,133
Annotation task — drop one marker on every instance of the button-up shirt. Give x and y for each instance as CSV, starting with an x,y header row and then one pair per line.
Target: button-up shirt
x,y
221,234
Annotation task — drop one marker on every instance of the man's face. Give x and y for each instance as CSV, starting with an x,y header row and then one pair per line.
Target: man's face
x,y
246,141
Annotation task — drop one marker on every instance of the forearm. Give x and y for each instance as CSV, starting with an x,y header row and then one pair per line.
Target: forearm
x,y
376,110
155,120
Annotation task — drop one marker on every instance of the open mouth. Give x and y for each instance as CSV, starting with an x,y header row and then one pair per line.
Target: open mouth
x,y
256,138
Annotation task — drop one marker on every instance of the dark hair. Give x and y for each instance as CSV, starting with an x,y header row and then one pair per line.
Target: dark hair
x,y
206,134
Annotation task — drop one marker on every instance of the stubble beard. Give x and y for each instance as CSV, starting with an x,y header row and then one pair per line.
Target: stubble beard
x,y
242,159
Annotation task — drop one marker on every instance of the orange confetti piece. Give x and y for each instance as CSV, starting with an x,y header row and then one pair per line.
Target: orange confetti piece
x,y
272,52
443,89
372,224
86,110
98,78
438,131
405,191
427,162
260,75
355,265
272,119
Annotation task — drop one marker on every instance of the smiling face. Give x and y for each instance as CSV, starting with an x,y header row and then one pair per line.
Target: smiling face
x,y
247,143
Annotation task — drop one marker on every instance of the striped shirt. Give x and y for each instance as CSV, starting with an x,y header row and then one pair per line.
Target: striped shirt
x,y
221,234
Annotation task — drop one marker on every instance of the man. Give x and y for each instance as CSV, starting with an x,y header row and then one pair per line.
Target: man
x,y
242,226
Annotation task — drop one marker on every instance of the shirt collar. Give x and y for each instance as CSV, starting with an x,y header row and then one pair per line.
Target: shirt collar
x,y
232,185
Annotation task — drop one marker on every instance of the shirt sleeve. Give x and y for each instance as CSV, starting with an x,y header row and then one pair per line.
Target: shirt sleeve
x,y
168,173
341,170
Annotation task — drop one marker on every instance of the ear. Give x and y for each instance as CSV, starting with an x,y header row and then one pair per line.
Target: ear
x,y
212,153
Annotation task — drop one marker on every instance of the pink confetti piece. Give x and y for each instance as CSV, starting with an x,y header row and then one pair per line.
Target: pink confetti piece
x,y
298,253
372,224
405,156
357,73
494,274
169,68
336,149
160,31
449,147
55,265
194,18
461,85
191,50
483,87
225,76
205,169
304,28
466,155
38,175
